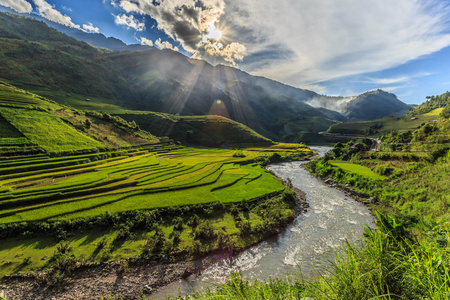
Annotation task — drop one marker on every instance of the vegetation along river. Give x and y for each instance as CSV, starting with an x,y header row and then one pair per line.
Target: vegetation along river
x,y
331,219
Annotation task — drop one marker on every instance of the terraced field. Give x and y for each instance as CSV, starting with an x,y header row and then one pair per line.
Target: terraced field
x,y
42,188
11,96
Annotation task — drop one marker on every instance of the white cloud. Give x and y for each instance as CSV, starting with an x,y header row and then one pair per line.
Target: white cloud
x,y
20,6
130,22
165,45
392,88
66,8
90,28
145,41
188,22
49,12
305,42
395,80
112,2
338,104
388,80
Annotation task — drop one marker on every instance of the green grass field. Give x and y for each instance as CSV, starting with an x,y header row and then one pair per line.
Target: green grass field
x,y
357,169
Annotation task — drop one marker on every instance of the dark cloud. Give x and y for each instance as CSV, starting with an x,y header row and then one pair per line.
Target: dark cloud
x,y
187,33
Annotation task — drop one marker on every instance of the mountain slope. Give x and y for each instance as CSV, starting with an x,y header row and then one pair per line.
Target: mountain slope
x,y
375,105
52,64
164,81
212,130
28,120
433,110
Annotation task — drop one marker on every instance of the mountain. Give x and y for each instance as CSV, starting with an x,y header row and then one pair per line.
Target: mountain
x,y
48,62
95,39
375,105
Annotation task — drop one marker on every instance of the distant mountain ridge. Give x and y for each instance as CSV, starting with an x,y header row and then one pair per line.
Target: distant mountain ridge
x,y
159,80
95,39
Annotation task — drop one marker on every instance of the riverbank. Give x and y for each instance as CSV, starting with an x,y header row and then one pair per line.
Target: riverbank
x,y
127,278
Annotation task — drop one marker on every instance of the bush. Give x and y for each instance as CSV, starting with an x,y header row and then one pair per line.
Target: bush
x,y
194,221
204,231
178,224
244,227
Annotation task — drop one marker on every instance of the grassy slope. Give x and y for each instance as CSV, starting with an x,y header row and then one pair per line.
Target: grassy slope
x,y
69,131
383,126
50,133
56,128
357,169
214,131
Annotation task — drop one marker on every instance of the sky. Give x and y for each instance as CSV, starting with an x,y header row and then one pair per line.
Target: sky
x,y
343,47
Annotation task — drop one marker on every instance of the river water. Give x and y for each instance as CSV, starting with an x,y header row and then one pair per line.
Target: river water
x,y
331,219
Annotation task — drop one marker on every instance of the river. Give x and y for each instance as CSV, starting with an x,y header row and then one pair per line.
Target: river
x,y
331,219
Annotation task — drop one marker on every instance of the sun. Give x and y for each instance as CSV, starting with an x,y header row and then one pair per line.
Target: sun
x,y
212,32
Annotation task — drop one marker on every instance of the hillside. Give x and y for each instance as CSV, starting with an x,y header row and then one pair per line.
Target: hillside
x,y
212,131
431,110
28,118
52,64
432,103
407,255
32,124
375,105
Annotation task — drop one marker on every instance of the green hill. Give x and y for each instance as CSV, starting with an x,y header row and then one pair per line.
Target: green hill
x,y
32,124
432,103
213,130
38,124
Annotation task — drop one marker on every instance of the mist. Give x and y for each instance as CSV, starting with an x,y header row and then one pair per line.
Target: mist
x,y
332,103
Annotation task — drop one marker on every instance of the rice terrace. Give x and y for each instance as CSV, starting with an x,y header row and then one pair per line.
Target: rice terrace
x,y
86,186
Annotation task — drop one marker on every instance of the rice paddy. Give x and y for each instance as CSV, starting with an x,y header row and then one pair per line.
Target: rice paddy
x,y
42,188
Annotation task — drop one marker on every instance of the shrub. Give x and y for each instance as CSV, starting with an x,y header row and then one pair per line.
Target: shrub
x,y
194,221
204,231
244,227
178,224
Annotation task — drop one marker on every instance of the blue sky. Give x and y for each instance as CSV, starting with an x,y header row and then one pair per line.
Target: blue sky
x,y
332,47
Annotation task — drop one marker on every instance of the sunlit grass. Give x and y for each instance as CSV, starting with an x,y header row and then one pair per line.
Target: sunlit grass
x,y
357,169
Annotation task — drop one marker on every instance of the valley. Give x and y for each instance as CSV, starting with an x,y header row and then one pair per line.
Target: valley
x,y
176,168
